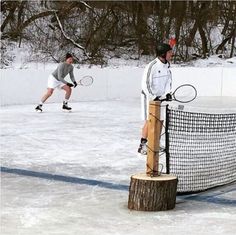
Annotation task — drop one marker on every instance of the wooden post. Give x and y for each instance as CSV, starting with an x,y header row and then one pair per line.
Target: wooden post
x,y
154,132
151,191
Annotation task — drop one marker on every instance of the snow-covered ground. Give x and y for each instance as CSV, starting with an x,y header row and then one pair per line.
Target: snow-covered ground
x,y
69,173
26,84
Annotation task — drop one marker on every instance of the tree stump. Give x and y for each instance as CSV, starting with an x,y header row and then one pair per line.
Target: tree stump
x,y
152,193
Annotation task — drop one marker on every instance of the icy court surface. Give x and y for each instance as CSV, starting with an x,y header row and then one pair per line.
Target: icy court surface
x,y
69,173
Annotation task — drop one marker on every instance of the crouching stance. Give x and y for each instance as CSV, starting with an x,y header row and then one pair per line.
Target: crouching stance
x,y
56,80
156,84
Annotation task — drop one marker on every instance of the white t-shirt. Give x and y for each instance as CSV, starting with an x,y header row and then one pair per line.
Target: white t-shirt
x,y
157,79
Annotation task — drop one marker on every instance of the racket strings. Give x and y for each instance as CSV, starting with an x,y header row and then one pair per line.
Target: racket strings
x,y
185,93
86,80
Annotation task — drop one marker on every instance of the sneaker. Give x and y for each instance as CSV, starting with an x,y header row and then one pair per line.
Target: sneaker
x,y
39,108
143,148
66,107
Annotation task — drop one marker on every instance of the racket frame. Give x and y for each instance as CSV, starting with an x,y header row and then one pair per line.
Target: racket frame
x,y
181,101
83,78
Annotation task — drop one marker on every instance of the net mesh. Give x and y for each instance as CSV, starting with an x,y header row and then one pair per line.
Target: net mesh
x,y
201,149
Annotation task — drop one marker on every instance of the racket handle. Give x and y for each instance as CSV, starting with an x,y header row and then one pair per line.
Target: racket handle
x,y
157,98
168,98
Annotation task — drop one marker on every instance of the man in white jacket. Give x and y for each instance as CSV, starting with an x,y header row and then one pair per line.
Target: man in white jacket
x,y
156,84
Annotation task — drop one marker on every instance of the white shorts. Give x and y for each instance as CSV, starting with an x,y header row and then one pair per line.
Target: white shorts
x,y
54,83
145,99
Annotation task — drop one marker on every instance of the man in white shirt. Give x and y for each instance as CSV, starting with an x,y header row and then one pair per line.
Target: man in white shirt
x,y
156,84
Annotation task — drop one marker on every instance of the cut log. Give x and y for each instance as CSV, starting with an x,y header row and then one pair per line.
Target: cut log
x,y
152,193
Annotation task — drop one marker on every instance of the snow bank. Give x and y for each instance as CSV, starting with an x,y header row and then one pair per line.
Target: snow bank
x,y
25,86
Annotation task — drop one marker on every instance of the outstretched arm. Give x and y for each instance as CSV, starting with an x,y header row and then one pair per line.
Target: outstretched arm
x,y
60,74
72,77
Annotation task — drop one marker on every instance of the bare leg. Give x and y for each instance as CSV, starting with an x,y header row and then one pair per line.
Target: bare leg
x,y
68,90
145,129
143,143
47,94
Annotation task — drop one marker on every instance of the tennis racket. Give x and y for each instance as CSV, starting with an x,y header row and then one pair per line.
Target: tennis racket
x,y
85,81
184,93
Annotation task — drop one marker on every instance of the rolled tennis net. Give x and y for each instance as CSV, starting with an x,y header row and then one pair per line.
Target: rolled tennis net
x,y
200,148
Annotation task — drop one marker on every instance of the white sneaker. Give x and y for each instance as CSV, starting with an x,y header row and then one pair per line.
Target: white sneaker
x,y
142,148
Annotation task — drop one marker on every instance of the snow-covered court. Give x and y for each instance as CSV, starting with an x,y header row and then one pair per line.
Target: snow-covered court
x,y
69,174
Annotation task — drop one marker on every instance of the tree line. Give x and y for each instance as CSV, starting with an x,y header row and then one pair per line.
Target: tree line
x,y
98,30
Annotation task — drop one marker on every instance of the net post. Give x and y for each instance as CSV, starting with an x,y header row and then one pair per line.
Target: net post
x,y
148,193
167,141
154,131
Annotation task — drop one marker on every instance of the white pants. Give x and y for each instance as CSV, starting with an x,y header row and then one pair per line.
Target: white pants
x,y
145,99
54,83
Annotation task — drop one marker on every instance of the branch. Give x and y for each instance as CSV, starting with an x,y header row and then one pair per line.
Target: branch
x,y
68,38
86,4
9,17
35,17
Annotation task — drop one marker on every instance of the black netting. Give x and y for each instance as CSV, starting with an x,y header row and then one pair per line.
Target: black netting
x,y
201,149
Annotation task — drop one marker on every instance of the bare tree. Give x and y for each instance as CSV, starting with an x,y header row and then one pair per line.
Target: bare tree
x,y
97,30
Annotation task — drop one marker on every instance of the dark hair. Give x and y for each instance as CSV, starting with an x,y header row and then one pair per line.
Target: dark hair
x,y
68,55
162,48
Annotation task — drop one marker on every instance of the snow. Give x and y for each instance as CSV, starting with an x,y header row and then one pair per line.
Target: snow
x,y
26,86
215,61
69,173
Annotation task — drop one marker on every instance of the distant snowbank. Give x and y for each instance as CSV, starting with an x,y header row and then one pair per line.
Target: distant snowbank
x,y
26,86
